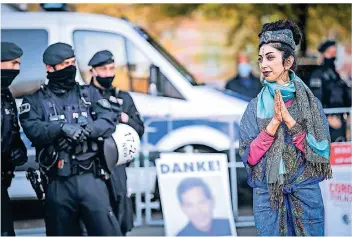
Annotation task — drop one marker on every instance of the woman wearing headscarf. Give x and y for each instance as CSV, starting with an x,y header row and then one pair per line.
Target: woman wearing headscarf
x,y
285,142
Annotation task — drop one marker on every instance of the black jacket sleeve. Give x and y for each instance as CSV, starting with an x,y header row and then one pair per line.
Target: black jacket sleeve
x,y
17,142
134,120
105,124
32,119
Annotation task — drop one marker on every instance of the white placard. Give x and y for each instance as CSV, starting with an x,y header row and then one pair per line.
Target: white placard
x,y
337,192
195,194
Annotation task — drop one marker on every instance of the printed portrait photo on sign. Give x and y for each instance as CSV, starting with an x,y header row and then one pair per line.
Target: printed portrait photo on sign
x,y
197,206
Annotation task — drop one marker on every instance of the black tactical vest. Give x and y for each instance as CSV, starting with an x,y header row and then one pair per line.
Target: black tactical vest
x,y
73,110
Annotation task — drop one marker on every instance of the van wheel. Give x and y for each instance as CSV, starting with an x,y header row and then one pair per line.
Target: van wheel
x,y
195,149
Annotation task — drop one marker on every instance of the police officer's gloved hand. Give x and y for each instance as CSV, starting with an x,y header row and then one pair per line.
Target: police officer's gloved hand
x,y
64,144
91,130
19,157
75,132
115,107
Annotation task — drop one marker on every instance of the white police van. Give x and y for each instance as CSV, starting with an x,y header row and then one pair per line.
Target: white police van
x,y
159,85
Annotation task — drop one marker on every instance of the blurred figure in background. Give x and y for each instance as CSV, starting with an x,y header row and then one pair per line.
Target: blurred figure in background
x,y
244,83
327,85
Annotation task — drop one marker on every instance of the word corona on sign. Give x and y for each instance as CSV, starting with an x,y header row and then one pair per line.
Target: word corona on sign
x,y
184,167
340,192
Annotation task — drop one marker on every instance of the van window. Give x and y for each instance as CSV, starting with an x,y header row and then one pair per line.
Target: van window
x,y
132,65
166,89
87,43
33,43
139,68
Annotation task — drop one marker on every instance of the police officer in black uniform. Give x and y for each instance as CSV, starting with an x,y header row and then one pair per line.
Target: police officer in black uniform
x,y
65,123
13,151
327,85
103,74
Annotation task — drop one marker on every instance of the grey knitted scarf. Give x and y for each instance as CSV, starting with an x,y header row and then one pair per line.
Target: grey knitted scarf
x,y
307,114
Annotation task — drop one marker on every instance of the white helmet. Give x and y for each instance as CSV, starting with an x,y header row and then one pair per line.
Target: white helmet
x,y
122,147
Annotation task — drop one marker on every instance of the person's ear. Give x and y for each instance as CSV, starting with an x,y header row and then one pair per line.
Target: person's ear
x,y
289,62
49,68
93,73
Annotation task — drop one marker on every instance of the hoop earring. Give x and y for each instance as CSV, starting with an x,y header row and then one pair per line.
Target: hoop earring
x,y
281,77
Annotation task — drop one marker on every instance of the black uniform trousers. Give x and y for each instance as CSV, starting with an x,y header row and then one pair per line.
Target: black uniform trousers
x,y
6,212
123,205
80,197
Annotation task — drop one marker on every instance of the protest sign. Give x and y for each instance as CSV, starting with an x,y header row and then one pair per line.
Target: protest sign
x,y
195,194
337,192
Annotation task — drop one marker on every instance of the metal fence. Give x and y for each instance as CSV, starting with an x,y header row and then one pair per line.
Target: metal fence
x,y
143,172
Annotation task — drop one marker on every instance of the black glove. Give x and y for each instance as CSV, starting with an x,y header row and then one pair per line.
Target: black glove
x,y
116,107
19,157
74,132
64,144
91,130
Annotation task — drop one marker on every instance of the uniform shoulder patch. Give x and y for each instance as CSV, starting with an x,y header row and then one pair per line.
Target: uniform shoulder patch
x,y
104,103
24,108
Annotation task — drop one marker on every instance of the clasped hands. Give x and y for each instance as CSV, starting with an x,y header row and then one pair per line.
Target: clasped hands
x,y
281,113
74,134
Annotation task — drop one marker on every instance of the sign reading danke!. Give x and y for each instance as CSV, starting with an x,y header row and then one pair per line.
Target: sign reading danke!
x,y
195,194
191,166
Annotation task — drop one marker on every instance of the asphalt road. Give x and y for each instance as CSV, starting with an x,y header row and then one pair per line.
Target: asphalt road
x,y
29,222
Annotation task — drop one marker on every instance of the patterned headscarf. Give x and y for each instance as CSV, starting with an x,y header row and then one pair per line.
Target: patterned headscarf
x,y
282,36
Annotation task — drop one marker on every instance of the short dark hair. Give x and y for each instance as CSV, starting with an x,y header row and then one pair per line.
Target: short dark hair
x,y
285,48
189,183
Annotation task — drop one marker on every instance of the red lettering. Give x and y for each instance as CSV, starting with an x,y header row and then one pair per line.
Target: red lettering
x,y
340,188
331,187
343,188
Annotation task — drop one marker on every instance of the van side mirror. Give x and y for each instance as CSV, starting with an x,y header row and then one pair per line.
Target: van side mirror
x,y
154,80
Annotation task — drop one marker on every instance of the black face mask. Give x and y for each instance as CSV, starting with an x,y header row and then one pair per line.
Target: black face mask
x,y
105,82
63,79
330,62
7,77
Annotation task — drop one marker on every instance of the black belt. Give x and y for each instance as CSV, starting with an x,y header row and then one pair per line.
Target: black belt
x,y
79,169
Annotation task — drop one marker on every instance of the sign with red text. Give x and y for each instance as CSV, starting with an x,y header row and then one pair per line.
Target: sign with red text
x,y
337,192
341,153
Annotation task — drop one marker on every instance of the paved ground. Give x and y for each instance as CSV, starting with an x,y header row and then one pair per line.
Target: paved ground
x,y
137,231
29,222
